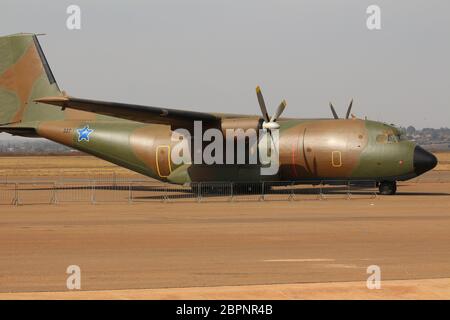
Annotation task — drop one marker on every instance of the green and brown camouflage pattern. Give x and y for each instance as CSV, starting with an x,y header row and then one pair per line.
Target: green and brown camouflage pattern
x,y
310,149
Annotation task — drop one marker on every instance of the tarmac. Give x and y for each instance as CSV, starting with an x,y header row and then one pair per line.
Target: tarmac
x,y
317,249
436,289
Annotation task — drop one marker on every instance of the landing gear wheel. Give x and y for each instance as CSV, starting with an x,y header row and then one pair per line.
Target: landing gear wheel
x,y
388,187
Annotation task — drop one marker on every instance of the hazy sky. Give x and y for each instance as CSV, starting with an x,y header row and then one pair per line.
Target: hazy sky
x,y
209,55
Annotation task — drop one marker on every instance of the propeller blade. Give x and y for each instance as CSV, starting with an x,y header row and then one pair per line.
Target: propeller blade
x,y
273,147
262,104
349,110
333,111
280,110
266,141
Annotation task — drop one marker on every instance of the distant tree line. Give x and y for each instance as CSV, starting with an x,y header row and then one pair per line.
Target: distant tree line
x,y
33,146
429,135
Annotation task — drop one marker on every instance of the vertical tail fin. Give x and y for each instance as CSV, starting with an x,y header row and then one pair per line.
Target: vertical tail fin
x,y
24,76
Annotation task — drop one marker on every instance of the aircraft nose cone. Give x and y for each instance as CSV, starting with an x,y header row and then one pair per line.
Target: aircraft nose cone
x,y
423,160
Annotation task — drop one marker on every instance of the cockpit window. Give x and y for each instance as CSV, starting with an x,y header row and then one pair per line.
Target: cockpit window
x,y
388,138
392,138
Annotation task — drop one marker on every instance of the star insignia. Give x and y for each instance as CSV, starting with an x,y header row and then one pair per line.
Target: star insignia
x,y
83,133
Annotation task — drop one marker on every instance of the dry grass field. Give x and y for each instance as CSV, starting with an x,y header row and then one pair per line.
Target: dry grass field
x,y
65,166
444,160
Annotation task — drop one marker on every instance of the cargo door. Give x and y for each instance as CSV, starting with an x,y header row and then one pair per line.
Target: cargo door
x,y
163,165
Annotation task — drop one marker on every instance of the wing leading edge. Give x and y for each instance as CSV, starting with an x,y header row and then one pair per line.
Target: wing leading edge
x,y
146,114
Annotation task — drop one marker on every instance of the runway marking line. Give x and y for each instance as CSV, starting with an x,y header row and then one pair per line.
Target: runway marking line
x,y
300,260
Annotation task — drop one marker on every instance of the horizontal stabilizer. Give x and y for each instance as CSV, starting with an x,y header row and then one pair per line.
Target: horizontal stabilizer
x,y
20,131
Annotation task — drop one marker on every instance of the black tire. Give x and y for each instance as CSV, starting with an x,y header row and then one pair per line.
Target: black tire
x,y
388,188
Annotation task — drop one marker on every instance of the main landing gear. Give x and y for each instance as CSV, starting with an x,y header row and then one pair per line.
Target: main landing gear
x,y
387,187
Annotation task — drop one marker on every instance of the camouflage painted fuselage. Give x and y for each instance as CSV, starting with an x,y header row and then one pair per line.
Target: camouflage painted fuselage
x,y
311,150
308,150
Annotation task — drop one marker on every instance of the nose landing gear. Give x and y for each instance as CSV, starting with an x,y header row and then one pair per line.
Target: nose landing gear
x,y
387,187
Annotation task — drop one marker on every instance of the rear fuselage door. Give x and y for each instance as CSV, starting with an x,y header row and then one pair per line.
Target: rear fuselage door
x,y
163,165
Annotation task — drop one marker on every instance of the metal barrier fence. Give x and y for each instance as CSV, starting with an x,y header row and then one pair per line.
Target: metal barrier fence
x,y
138,191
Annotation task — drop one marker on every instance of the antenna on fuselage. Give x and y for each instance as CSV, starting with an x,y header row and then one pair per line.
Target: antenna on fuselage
x,y
333,111
349,109
347,115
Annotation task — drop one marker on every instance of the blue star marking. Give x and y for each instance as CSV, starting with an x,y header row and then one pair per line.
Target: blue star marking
x,y
83,134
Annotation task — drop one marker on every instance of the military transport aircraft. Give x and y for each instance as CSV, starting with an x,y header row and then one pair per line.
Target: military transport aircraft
x,y
140,138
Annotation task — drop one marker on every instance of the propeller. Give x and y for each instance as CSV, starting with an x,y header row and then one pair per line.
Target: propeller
x,y
333,111
269,123
349,109
347,115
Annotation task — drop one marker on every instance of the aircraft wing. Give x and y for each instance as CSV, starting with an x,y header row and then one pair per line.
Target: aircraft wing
x,y
146,114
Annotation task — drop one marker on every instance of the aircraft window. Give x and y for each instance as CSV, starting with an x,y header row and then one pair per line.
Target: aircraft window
x,y
392,138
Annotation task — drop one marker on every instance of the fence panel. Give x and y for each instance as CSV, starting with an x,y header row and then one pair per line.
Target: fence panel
x,y
304,190
182,193
147,191
215,191
122,191
335,189
363,189
105,191
277,191
36,193
74,191
247,191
